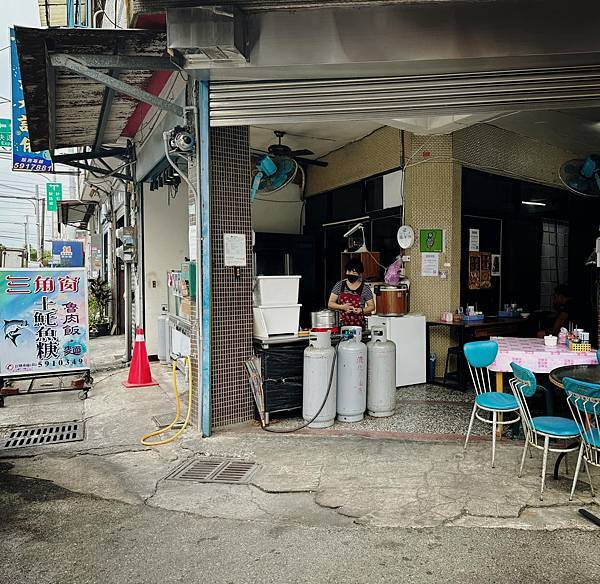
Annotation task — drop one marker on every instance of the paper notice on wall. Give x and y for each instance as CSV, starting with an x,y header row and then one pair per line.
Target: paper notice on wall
x,y
192,236
234,249
430,264
473,239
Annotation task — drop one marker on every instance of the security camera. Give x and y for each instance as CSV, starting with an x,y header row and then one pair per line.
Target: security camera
x,y
181,139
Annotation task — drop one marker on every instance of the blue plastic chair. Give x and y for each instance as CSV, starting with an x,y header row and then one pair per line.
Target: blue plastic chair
x,y
584,402
480,355
541,429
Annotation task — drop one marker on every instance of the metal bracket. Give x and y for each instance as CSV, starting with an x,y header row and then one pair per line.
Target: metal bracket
x,y
67,62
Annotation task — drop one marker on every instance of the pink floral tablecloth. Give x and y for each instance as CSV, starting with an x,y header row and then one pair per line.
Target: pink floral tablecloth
x,y
535,356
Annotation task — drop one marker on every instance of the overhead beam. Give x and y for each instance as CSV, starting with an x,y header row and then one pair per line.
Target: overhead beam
x,y
90,155
107,100
118,86
91,168
120,62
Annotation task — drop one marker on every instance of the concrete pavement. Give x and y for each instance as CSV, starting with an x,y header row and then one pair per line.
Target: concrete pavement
x,y
372,498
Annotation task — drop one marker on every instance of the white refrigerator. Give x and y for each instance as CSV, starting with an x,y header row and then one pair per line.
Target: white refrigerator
x,y
408,332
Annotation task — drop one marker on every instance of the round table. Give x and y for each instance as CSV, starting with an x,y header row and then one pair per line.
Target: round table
x,y
589,373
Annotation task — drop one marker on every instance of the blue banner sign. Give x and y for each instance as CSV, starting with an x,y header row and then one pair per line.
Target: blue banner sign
x,y
68,254
23,157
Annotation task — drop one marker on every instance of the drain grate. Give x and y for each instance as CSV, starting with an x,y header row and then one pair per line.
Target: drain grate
x,y
215,470
40,435
163,420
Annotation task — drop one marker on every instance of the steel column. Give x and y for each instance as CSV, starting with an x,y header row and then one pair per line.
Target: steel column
x,y
203,121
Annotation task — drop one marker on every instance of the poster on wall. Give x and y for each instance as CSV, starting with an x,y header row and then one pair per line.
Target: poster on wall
x,y
44,320
431,240
234,246
473,239
496,265
474,270
430,264
485,274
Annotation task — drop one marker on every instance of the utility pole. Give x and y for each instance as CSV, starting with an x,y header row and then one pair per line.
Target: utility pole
x,y
42,221
26,244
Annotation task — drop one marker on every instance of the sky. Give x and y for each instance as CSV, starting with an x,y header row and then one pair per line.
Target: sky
x,y
13,214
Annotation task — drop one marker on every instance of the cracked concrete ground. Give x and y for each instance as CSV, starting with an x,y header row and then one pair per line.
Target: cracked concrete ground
x,y
334,484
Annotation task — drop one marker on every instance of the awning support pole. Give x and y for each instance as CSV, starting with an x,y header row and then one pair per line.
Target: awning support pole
x,y
115,84
203,121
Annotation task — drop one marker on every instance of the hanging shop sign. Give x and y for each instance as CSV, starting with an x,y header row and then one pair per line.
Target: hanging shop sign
x,y
23,157
5,131
431,240
44,320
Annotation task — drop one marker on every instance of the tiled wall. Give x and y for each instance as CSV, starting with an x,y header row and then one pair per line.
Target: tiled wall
x,y
231,315
432,201
376,153
503,152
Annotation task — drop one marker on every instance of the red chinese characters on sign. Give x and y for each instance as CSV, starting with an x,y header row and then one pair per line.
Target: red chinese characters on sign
x,y
44,284
68,284
41,284
18,285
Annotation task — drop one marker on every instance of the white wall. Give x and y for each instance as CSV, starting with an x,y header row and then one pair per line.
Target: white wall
x,y
165,248
270,216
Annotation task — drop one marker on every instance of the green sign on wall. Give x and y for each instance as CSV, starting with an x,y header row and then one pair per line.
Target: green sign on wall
x,y
431,240
53,195
5,133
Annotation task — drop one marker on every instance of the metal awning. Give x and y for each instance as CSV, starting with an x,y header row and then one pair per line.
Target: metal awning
x,y
76,213
82,86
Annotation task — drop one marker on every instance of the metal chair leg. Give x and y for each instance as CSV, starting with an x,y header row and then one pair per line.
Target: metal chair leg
x,y
494,424
576,476
470,426
587,470
544,463
525,447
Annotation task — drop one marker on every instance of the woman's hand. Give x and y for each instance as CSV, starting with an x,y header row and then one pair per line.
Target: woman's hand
x,y
346,308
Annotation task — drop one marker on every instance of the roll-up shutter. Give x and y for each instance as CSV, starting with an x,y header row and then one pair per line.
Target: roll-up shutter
x,y
260,102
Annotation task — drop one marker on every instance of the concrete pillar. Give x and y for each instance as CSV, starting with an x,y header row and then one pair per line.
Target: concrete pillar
x,y
432,201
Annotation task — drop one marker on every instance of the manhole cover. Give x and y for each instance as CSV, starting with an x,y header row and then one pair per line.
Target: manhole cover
x,y
215,470
163,420
40,435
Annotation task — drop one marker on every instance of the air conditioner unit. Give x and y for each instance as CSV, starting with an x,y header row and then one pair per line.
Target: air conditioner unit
x,y
207,35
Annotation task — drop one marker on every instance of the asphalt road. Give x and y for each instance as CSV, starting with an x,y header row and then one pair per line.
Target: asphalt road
x,y
50,535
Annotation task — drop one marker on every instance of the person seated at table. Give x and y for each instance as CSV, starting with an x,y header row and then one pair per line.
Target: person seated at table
x,y
564,312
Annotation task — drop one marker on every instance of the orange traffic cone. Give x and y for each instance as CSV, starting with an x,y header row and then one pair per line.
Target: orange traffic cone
x,y
139,370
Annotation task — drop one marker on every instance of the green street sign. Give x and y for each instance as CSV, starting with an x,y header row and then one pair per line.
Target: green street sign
x,y
5,133
53,195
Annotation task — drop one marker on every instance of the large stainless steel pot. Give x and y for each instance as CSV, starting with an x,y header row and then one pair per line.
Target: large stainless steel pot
x,y
324,319
392,300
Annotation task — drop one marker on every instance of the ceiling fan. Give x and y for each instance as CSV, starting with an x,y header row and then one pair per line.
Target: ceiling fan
x,y
282,151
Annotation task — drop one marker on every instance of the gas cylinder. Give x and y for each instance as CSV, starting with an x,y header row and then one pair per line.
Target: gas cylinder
x,y
381,388
351,376
318,360
164,337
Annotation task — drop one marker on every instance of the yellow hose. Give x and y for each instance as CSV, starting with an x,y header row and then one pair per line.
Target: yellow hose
x,y
144,440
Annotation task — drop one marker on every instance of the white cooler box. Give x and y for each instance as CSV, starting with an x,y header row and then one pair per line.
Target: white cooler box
x,y
276,290
276,320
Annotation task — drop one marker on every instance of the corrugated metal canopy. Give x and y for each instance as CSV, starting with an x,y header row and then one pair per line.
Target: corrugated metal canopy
x,y
78,100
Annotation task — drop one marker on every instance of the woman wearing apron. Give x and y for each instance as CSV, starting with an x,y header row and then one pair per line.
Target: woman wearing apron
x,y
352,297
